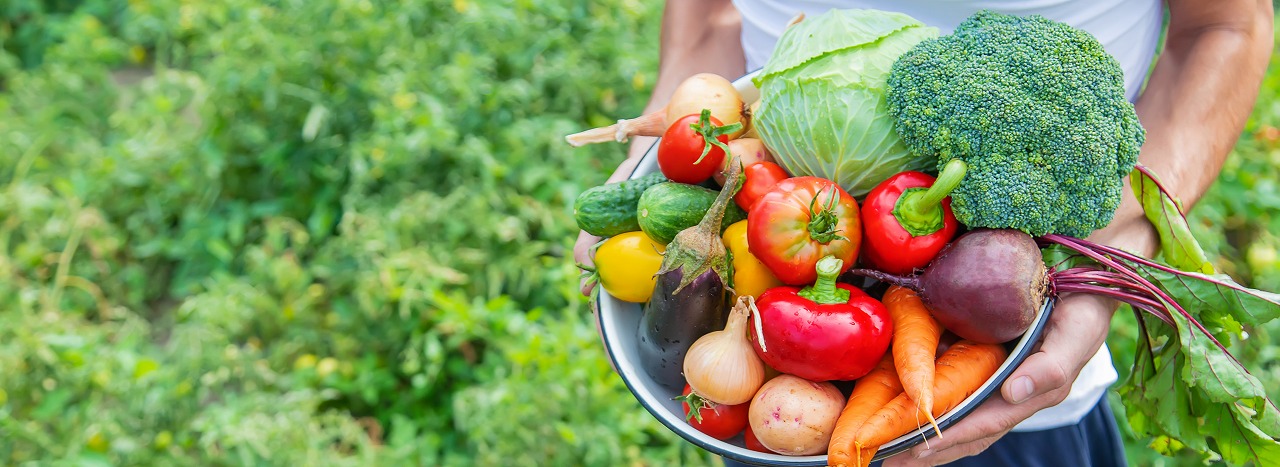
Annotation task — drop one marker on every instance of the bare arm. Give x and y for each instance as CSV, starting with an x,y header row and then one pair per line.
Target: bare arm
x,y
1197,100
698,36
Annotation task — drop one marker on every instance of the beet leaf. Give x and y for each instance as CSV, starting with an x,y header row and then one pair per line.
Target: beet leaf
x,y
1185,387
1177,246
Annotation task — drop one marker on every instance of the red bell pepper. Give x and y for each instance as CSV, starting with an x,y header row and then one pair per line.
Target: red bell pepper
x,y
907,219
824,332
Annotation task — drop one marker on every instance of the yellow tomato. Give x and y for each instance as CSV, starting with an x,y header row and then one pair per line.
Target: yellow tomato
x,y
627,264
750,276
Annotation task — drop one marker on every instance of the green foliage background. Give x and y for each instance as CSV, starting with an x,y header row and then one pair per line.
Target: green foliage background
x,y
338,232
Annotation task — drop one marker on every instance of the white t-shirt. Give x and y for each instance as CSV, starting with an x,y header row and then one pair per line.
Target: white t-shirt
x,y
1128,29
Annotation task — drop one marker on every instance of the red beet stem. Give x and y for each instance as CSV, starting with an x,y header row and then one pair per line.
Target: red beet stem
x,y
1087,249
1109,283
910,282
1134,299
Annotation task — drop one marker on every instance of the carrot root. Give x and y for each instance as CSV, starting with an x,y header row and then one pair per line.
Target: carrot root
x,y
915,340
870,393
961,370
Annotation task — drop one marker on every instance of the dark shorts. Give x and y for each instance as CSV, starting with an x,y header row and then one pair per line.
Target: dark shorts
x,y
1094,442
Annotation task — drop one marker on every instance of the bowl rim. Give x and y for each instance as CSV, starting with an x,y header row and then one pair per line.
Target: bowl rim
x,y
1021,350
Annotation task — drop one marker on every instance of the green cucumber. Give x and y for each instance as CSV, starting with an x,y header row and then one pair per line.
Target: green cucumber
x,y
610,209
669,207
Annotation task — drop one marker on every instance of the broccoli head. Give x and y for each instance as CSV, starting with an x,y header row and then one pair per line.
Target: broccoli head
x,y
1034,107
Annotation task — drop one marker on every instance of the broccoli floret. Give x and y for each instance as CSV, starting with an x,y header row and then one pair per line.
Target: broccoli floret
x,y
1037,110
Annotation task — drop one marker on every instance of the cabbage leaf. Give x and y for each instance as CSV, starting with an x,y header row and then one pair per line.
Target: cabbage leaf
x,y
822,106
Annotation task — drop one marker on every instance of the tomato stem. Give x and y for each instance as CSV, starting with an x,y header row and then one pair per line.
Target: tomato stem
x,y
696,404
823,220
919,210
711,133
824,290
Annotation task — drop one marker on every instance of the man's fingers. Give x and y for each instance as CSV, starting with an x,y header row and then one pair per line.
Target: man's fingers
x,y
582,255
1074,333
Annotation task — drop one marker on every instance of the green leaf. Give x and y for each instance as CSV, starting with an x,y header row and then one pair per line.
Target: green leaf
x,y
1213,372
1215,299
1158,403
1239,440
1058,257
835,31
1177,246
1187,391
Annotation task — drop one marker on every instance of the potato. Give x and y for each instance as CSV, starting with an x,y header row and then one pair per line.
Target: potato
x,y
794,416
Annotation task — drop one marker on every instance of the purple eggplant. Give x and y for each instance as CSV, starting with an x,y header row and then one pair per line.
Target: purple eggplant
x,y
673,321
690,297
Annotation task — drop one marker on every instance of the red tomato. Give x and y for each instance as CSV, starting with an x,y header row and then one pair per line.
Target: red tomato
x,y
753,443
798,222
680,151
722,422
758,179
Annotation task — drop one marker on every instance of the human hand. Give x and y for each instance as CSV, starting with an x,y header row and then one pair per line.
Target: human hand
x,y
582,255
1075,331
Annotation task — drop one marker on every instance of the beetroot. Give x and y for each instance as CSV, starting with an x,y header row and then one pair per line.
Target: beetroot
x,y
987,284
986,287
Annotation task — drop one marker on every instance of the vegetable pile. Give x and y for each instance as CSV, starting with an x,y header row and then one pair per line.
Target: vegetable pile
x,y
815,293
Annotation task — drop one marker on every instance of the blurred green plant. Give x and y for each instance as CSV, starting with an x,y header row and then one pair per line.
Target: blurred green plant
x,y
309,233
336,232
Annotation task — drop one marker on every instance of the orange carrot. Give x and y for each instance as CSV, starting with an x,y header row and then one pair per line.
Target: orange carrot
x,y
960,371
915,339
870,393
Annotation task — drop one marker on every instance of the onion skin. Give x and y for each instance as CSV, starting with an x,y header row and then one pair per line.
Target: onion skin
x,y
722,366
708,91
750,126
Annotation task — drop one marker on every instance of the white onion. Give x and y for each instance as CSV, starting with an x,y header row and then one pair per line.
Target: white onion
x,y
722,366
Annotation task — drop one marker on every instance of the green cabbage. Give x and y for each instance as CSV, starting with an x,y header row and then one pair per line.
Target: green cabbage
x,y
822,98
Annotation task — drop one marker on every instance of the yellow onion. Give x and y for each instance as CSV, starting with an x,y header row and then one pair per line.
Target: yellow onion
x,y
722,366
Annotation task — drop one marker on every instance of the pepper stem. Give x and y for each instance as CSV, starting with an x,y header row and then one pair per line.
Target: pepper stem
x,y
824,290
919,210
